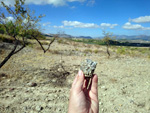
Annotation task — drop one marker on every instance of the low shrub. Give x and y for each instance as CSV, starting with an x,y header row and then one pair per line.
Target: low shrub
x,y
87,51
121,50
148,56
60,41
96,51
2,52
55,51
5,38
31,45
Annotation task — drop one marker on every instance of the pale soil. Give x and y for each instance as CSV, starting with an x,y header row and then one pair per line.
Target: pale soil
x,y
124,82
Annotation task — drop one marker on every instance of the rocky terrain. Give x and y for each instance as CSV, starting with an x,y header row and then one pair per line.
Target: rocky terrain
x,y
33,82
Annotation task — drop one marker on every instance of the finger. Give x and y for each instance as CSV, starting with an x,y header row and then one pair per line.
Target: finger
x,y
75,80
80,81
94,84
86,82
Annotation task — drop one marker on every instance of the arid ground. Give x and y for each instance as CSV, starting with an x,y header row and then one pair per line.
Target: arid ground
x,y
32,81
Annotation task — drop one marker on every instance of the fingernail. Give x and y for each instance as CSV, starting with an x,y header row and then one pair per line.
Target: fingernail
x,y
80,73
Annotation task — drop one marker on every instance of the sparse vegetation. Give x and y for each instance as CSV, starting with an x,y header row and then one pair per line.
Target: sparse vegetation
x,y
24,26
132,51
107,38
148,56
89,41
121,50
55,51
76,49
2,52
60,41
88,51
96,51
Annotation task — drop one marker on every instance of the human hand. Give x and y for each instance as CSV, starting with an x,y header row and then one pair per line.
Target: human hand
x,y
83,100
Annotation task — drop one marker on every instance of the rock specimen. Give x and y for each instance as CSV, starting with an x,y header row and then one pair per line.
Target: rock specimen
x,y
32,84
88,66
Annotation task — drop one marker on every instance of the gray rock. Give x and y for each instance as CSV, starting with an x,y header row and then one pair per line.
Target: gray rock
x,y
147,107
25,108
141,104
39,108
32,84
88,67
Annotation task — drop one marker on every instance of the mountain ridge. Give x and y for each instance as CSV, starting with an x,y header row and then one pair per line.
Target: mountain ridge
x,y
118,37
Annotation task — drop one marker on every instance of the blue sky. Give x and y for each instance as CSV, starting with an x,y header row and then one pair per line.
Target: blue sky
x,y
91,17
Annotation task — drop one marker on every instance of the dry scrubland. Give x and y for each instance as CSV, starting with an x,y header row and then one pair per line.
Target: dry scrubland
x,y
34,82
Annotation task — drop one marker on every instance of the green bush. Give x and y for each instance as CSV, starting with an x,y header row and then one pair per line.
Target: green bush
x,y
5,38
96,51
121,50
90,41
16,31
2,30
148,56
87,51
60,41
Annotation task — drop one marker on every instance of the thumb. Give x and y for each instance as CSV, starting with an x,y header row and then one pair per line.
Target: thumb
x,y
80,81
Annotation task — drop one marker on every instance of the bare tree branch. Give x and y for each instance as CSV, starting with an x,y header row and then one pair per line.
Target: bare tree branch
x,y
9,55
45,50
23,46
50,44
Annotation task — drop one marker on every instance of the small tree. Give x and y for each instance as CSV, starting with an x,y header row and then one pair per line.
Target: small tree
x,y
107,38
2,31
22,27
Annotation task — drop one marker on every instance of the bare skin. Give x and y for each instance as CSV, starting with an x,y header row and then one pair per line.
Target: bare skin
x,y
83,100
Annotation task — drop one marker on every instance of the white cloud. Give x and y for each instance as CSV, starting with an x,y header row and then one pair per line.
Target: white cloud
x,y
7,19
41,2
130,26
59,26
73,7
8,2
142,19
78,24
91,3
10,18
52,2
45,24
62,27
107,25
146,28
76,0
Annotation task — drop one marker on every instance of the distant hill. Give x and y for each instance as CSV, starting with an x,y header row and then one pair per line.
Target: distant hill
x,y
87,37
67,36
118,37
133,37
60,35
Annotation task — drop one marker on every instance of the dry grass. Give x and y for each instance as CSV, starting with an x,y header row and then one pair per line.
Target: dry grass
x,y
87,51
6,38
97,46
2,52
96,51
55,51
63,41
113,80
131,51
3,76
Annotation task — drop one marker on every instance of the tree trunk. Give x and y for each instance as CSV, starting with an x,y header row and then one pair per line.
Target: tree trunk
x,y
108,51
8,56
14,51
